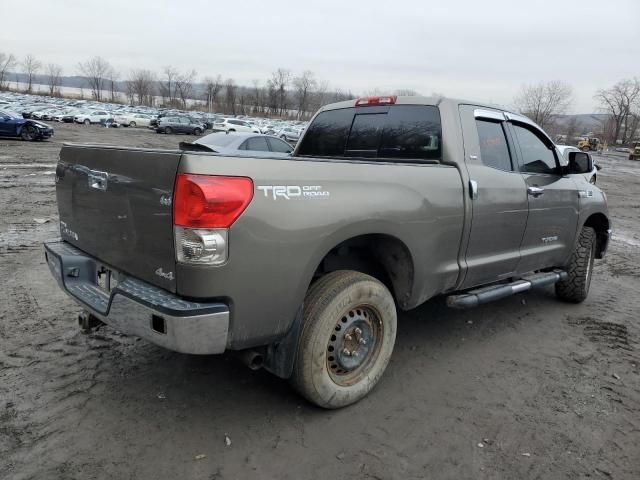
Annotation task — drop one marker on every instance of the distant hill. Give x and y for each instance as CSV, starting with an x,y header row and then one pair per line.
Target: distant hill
x,y
585,122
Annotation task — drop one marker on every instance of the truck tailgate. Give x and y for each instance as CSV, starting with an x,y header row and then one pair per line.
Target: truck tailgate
x,y
115,205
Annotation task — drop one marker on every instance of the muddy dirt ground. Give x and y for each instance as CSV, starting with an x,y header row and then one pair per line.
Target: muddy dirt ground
x,y
527,387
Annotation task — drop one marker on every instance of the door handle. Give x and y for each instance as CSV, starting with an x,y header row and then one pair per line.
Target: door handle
x,y
535,191
473,189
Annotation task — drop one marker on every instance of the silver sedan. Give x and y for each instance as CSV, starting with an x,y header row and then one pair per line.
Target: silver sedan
x,y
242,144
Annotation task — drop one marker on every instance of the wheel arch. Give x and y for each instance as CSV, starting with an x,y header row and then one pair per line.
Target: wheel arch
x,y
600,223
381,255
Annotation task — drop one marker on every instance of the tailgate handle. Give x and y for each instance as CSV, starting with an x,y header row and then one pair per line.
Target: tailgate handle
x,y
98,180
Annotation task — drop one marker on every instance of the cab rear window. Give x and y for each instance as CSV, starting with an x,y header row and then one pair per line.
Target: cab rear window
x,y
403,132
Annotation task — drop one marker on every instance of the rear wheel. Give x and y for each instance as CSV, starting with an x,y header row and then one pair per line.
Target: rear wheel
x,y
28,133
346,341
132,124
576,288
197,131
168,130
87,121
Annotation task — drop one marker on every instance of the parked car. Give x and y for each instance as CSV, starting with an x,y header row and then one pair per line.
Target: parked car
x,y
176,124
288,134
90,117
234,125
591,176
133,119
301,263
14,125
236,143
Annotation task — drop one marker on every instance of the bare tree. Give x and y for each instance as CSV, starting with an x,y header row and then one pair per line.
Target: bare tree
x,y
619,102
272,97
212,87
280,81
96,70
168,87
7,62
142,86
54,78
184,86
31,67
543,101
112,83
230,91
319,97
304,85
405,92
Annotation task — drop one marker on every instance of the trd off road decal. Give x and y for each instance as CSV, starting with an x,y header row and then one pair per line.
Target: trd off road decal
x,y
289,192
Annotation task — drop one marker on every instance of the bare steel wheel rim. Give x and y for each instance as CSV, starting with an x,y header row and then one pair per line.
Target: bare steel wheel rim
x,y
354,345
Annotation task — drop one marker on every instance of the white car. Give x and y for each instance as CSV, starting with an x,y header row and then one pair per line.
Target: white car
x,y
92,117
234,125
133,119
590,177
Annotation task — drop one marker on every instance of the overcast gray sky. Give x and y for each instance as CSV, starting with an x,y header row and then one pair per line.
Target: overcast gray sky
x,y
476,49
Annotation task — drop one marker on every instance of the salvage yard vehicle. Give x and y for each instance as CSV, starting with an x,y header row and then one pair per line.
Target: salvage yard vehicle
x,y
234,125
91,117
300,263
235,143
634,151
179,124
14,125
133,120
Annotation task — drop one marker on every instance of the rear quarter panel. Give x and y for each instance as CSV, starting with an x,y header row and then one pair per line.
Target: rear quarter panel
x,y
278,242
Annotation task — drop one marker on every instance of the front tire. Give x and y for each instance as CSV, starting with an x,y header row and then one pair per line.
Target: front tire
x,y
87,121
28,133
347,337
197,131
168,130
580,269
132,124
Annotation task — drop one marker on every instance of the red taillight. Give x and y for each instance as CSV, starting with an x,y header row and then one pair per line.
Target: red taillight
x,y
364,101
202,201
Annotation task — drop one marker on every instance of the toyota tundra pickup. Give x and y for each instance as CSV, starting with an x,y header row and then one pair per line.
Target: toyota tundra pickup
x,y
300,264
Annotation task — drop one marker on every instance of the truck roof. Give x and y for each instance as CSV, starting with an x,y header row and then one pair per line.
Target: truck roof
x,y
417,100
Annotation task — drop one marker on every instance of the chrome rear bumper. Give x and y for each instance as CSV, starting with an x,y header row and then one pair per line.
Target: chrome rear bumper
x,y
138,308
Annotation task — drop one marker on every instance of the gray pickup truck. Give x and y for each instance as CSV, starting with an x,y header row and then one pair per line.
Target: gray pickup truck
x,y
300,264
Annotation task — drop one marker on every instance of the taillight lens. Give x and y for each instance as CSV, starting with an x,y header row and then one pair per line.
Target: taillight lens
x,y
202,201
204,207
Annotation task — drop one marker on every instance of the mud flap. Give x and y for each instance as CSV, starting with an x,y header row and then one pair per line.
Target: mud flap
x,y
281,355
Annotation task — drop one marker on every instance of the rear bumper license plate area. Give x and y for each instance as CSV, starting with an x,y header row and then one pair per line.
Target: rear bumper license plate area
x,y
136,307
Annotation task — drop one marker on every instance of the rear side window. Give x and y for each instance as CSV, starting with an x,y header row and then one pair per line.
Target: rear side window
x,y
398,132
257,144
279,146
494,151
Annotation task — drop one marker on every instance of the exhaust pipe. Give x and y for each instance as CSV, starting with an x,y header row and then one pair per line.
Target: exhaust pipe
x,y
251,358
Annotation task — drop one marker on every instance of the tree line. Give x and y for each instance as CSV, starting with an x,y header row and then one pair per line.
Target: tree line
x,y
283,94
545,102
286,94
